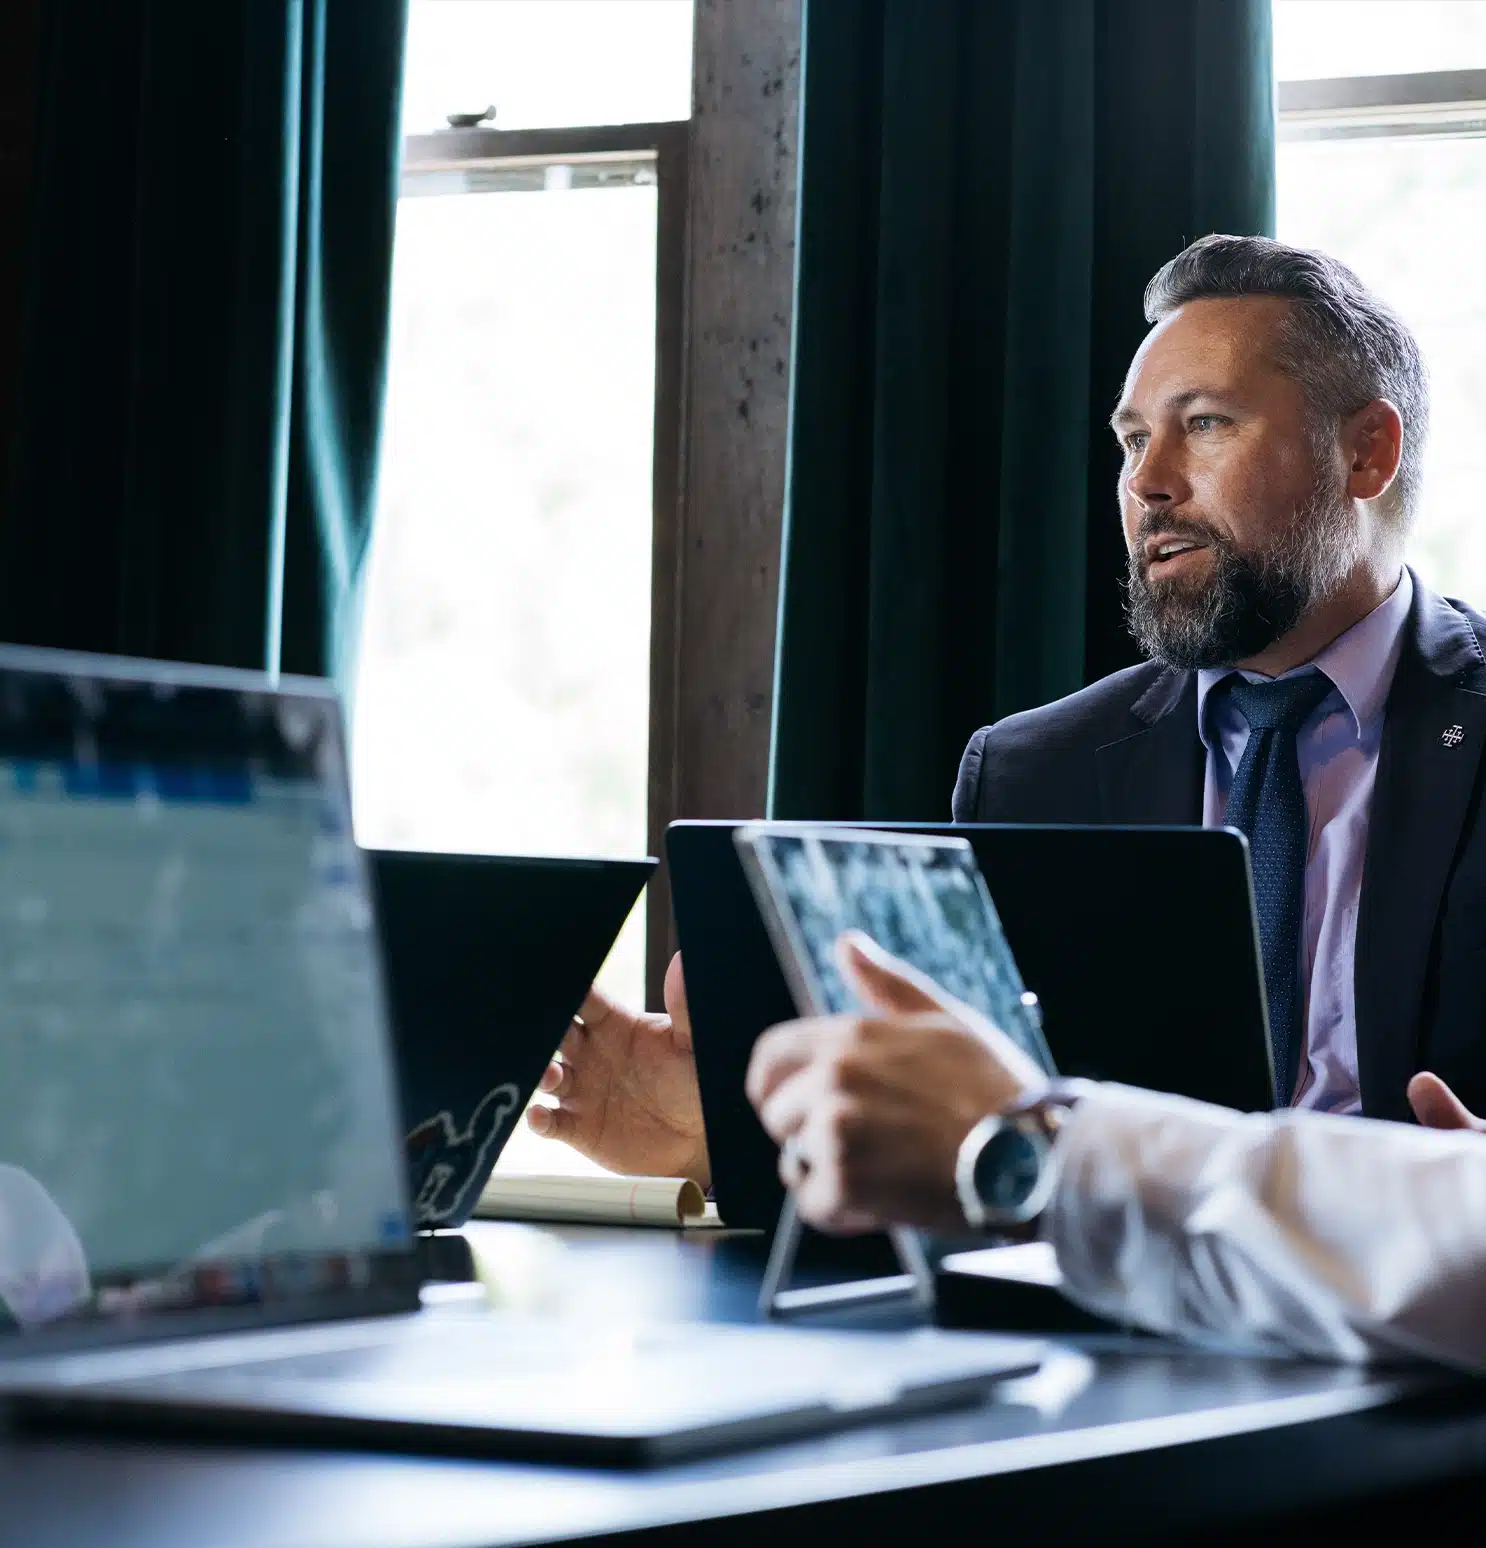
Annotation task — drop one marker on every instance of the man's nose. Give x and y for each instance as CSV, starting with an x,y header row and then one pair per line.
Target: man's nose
x,y
1156,479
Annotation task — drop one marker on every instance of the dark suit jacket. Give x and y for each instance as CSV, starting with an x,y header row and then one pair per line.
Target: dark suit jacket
x,y
1126,750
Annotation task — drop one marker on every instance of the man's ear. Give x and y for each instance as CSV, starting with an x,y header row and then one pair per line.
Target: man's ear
x,y
1372,440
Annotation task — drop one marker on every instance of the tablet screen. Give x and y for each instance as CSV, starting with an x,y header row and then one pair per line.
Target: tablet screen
x,y
921,898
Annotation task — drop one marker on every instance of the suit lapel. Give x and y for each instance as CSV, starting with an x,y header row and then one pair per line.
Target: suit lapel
x,y
1154,777
1434,732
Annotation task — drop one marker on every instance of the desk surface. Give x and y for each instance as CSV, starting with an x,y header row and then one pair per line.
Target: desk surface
x,y
1114,1438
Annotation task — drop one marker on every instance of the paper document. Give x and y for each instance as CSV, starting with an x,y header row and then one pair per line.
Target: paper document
x,y
654,1201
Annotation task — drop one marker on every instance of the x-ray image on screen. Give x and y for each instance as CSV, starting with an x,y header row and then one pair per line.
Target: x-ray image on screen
x,y
922,899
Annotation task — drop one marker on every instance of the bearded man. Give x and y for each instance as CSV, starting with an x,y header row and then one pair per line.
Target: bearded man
x,y
1303,685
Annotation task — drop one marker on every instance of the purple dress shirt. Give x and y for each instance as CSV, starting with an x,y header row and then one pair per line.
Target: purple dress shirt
x,y
1338,747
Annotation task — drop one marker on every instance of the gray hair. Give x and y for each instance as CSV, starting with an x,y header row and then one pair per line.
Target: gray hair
x,y
1340,342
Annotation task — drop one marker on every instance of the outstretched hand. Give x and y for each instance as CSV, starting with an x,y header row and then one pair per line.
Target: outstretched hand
x,y
1437,1107
626,1088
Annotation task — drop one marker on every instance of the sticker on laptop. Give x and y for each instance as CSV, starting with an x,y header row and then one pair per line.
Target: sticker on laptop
x,y
448,1162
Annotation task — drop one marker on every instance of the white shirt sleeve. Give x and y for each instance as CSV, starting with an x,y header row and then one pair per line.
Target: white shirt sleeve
x,y
1290,1232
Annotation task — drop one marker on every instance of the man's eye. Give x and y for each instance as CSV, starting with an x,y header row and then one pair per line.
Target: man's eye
x,y
1205,421
1136,440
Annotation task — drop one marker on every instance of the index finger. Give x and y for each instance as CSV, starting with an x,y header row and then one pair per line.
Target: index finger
x,y
783,1050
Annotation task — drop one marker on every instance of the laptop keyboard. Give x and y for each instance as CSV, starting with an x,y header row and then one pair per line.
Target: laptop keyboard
x,y
642,1394
457,1353
528,1355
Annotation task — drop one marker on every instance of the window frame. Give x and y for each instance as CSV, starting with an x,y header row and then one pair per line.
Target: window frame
x,y
492,160
1353,107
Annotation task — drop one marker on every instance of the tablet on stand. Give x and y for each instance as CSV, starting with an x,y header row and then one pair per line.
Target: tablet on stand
x,y
920,897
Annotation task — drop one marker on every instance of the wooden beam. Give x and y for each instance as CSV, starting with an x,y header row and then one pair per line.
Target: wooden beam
x,y
740,280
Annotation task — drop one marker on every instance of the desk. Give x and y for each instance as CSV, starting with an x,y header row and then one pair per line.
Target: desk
x,y
1111,1442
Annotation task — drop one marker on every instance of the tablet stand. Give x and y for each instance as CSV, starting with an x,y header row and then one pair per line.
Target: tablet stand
x,y
776,1299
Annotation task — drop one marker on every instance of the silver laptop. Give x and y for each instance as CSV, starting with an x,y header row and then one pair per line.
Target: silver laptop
x,y
204,1219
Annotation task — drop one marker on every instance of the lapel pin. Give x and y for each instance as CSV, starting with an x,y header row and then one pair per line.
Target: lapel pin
x,y
1452,736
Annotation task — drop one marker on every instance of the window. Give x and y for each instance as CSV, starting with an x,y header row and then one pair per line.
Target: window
x,y
1382,162
515,616
547,63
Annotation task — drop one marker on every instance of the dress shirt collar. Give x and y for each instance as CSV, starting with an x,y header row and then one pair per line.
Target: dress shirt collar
x,y
1360,663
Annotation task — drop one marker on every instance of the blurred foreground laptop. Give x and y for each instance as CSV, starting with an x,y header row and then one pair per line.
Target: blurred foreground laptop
x,y
1140,944
203,1196
487,959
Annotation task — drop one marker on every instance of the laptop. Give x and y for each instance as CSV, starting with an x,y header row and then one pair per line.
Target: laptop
x,y
204,1210
487,959
1140,943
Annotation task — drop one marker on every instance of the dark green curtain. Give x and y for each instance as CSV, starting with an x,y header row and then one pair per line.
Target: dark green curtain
x,y
206,326
986,187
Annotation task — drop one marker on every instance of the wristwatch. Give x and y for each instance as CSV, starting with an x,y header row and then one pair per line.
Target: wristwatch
x,y
1004,1172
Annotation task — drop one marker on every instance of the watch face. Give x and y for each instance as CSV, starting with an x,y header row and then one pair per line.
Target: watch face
x,y
1007,1170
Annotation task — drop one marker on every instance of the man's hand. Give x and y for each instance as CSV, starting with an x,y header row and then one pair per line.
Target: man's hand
x,y
1437,1107
626,1089
874,1107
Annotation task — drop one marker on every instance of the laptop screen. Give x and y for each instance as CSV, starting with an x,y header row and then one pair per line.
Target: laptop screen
x,y
196,1098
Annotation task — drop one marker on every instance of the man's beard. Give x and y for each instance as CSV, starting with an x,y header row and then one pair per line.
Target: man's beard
x,y
1248,601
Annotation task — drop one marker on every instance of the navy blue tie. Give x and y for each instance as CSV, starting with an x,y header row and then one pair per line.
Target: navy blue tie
x,y
1267,804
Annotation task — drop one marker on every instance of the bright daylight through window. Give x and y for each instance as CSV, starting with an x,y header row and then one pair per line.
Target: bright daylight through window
x,y
1382,162
502,702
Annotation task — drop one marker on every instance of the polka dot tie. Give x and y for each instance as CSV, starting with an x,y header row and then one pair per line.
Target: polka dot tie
x,y
1267,804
